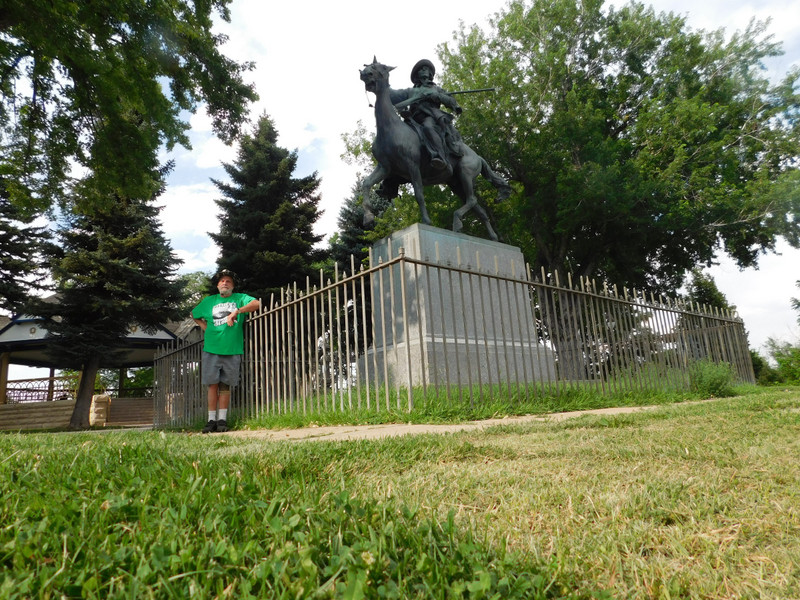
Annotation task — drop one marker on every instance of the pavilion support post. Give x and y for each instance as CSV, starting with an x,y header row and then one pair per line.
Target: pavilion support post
x,y
51,384
121,385
4,360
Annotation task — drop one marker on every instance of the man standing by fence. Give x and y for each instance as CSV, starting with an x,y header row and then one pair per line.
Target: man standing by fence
x,y
220,318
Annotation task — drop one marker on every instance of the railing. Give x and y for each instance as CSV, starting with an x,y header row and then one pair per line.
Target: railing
x,y
43,389
405,330
47,389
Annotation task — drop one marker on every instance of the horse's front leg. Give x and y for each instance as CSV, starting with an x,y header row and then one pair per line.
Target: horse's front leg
x,y
419,194
374,178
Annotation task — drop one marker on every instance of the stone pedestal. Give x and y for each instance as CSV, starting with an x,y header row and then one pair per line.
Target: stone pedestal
x,y
462,316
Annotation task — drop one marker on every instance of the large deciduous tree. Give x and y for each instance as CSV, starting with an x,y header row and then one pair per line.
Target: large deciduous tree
x,y
266,225
101,86
114,271
638,148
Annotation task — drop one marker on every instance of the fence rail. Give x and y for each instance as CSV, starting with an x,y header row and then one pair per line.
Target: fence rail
x,y
40,389
48,389
404,329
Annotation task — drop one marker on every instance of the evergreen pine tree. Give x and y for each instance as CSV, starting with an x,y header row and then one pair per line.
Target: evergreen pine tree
x,y
113,271
703,290
20,261
266,227
353,237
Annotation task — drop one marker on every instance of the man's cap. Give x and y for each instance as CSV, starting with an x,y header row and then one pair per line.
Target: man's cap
x,y
223,273
423,63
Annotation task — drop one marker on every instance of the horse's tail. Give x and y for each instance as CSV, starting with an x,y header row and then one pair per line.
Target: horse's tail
x,y
503,189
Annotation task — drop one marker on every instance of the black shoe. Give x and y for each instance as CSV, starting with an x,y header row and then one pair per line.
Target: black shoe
x,y
211,427
222,426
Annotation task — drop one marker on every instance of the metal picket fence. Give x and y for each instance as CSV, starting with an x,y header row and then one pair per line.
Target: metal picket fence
x,y
404,331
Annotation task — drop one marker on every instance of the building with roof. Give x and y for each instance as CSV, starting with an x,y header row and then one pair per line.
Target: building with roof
x,y
24,340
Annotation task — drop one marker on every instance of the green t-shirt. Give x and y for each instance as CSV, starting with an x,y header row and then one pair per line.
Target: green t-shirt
x,y
219,338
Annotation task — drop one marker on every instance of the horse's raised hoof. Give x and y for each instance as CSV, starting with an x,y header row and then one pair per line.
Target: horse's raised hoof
x,y
438,164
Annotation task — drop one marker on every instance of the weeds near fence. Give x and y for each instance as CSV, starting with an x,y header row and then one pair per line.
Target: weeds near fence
x,y
713,379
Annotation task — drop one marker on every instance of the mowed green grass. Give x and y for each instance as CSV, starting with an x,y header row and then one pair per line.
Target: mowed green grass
x,y
690,500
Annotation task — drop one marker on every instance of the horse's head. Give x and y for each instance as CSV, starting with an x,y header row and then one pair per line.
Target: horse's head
x,y
375,75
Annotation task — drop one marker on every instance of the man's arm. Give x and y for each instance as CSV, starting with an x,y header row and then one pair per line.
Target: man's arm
x,y
396,96
412,95
201,322
251,306
449,101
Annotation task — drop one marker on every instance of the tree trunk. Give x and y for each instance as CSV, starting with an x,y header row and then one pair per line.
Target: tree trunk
x,y
83,401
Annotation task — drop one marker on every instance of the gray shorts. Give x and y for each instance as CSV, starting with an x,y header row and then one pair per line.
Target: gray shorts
x,y
219,368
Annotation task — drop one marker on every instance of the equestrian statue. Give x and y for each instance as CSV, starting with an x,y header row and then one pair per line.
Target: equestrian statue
x,y
416,143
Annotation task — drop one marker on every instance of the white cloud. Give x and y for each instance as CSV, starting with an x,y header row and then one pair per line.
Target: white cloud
x,y
202,260
211,152
189,209
762,296
200,121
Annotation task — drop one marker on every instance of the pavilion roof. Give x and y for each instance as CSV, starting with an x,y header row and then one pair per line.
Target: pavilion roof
x,y
26,340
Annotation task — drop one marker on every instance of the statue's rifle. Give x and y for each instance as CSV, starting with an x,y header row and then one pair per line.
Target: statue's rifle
x,y
406,103
470,91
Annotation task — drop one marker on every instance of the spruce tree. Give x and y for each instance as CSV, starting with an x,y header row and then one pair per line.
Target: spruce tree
x,y
114,271
353,237
266,227
21,245
703,290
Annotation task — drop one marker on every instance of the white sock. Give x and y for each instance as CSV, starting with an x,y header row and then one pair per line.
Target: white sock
x,y
223,414
212,415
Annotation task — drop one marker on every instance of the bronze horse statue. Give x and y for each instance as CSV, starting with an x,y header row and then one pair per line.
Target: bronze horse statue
x,y
402,159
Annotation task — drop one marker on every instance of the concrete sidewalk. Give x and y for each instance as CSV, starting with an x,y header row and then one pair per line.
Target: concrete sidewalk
x,y
373,432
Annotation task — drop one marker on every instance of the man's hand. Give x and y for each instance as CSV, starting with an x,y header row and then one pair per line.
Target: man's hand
x,y
251,306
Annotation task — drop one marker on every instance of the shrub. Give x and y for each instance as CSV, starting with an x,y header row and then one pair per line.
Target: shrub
x,y
711,378
764,372
787,357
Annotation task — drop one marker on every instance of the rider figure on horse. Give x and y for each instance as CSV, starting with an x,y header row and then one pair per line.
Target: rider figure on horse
x,y
421,103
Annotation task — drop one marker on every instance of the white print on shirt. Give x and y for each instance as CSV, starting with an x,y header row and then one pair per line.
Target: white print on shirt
x,y
221,311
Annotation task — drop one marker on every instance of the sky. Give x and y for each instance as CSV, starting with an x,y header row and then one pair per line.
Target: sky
x,y
307,55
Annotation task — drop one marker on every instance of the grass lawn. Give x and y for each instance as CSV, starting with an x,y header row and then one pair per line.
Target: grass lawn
x,y
690,500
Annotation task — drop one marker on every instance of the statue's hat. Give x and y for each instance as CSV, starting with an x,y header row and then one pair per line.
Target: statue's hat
x,y
423,63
